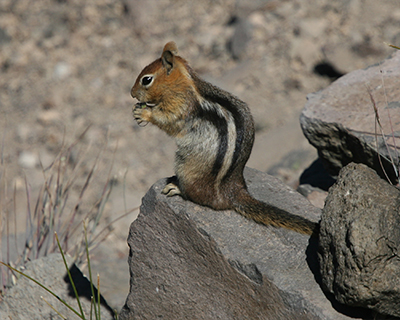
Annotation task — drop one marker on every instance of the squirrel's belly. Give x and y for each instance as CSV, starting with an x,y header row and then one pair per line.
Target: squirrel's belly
x,y
203,158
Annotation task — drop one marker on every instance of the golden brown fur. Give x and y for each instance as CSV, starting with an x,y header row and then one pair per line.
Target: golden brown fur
x,y
214,132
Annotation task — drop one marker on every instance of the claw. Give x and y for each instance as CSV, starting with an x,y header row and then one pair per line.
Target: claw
x,y
137,113
171,189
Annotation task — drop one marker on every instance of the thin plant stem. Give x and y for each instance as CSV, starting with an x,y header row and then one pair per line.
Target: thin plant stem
x,y
70,277
393,46
29,238
378,123
89,268
55,310
112,222
15,219
98,296
391,126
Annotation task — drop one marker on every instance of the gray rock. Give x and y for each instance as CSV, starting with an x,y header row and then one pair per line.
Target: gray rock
x,y
23,301
315,195
240,38
4,37
28,159
359,241
61,70
340,120
190,262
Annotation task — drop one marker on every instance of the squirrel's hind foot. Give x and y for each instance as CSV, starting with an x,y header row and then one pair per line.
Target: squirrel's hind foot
x,y
171,189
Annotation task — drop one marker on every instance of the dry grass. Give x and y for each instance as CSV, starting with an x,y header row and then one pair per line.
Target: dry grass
x,y
62,204
393,153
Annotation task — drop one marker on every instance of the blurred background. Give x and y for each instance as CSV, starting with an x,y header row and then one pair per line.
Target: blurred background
x,y
68,65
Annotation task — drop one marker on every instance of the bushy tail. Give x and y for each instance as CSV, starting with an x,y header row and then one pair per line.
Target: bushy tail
x,y
270,215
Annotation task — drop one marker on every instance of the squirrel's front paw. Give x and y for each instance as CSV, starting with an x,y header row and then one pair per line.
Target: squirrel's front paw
x,y
141,113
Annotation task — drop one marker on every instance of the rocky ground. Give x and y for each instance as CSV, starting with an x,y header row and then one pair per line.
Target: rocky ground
x,y
66,65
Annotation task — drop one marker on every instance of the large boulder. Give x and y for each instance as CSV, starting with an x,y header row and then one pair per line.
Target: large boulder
x,y
359,241
190,262
340,121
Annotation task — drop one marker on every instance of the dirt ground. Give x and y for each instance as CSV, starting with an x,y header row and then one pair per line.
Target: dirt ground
x,y
67,64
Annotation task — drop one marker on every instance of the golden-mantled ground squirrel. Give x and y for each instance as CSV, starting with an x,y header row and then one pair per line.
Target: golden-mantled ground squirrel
x,y
214,133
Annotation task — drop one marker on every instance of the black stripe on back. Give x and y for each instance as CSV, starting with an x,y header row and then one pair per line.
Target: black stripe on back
x,y
240,131
231,105
220,123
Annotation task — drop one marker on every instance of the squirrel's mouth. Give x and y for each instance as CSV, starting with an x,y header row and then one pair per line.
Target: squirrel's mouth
x,y
143,105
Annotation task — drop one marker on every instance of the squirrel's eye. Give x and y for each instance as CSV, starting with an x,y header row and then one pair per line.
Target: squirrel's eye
x,y
146,80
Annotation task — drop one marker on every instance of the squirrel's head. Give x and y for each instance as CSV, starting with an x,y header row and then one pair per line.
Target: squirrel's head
x,y
165,79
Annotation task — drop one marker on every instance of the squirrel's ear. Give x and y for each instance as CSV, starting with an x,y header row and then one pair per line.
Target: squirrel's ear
x,y
168,56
